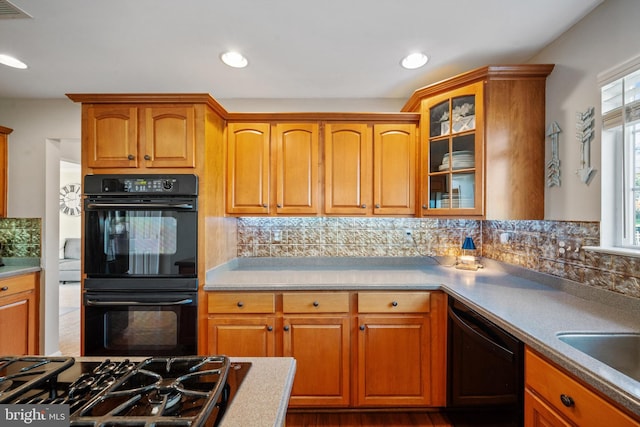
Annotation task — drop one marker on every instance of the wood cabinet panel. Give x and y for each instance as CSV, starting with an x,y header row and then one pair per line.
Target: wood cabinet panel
x,y
315,302
394,170
241,303
245,336
393,302
539,414
19,315
169,136
552,385
296,168
393,355
321,347
4,145
111,137
348,168
248,161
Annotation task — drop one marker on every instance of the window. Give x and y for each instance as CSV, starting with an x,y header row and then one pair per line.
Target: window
x,y
620,96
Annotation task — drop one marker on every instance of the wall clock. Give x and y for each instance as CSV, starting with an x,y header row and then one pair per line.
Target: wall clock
x,y
70,199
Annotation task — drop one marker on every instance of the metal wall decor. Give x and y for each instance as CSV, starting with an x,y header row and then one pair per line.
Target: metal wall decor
x,y
585,132
553,166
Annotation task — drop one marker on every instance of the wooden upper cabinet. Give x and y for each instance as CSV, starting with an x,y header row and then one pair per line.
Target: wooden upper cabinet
x,y
248,147
348,168
4,142
169,137
296,147
452,153
111,136
272,168
394,169
124,136
482,143
370,169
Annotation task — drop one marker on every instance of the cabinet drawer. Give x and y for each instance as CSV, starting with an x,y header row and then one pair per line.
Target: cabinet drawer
x,y
219,302
13,285
315,302
588,409
393,302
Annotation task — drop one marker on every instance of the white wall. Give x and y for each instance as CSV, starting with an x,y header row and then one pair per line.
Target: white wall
x,y
33,185
606,37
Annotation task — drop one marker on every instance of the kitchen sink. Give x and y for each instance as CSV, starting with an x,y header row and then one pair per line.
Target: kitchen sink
x,y
621,351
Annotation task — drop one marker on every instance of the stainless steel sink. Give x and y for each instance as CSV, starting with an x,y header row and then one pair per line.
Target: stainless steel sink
x,y
619,350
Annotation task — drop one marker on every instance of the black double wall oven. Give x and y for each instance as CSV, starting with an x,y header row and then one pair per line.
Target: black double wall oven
x,y
140,259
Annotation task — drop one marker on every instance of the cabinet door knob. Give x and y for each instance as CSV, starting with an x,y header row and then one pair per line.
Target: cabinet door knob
x,y
269,328
364,206
147,157
362,327
377,205
279,205
567,400
394,303
264,205
424,206
316,303
131,157
4,288
240,304
286,327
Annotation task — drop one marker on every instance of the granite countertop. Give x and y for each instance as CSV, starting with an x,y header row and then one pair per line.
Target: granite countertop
x,y
263,396
18,266
532,306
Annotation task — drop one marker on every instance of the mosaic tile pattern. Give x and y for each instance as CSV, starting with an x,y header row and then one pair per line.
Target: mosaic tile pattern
x,y
531,244
537,245
353,237
20,237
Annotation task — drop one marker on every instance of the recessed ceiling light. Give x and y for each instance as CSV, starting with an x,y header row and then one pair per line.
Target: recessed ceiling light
x,y
10,61
414,60
234,59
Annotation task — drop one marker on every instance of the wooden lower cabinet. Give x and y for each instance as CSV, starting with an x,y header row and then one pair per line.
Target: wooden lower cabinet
x,y
19,315
320,346
392,360
352,349
242,336
553,398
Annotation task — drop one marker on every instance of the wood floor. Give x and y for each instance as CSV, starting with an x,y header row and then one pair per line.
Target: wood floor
x,y
69,320
369,419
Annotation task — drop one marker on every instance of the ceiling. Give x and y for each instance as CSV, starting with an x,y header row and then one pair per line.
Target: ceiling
x,y
296,48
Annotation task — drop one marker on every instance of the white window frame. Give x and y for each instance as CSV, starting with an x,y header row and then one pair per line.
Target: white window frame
x,y
617,172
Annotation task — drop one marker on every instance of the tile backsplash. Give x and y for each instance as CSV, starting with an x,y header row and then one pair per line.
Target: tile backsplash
x,y
353,237
552,247
20,237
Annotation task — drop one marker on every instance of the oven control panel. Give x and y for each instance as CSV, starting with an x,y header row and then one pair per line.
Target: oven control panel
x,y
141,184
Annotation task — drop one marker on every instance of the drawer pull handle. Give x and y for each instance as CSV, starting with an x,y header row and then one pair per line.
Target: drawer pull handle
x,y
362,327
567,400
240,304
269,328
286,327
4,288
316,303
394,303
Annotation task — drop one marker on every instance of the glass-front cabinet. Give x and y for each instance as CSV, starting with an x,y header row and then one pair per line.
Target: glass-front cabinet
x,y
451,154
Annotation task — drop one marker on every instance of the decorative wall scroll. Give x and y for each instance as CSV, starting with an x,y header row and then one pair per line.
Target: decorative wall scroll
x,y
585,132
553,166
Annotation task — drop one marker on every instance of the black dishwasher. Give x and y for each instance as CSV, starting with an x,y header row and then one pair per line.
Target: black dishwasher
x,y
485,371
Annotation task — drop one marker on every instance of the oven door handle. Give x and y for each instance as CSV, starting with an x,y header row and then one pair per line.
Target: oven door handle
x,y
140,205
95,303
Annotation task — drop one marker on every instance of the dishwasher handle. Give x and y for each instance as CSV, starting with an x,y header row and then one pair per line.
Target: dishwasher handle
x,y
490,345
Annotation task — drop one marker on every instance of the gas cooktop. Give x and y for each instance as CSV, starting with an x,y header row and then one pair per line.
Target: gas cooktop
x,y
177,391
